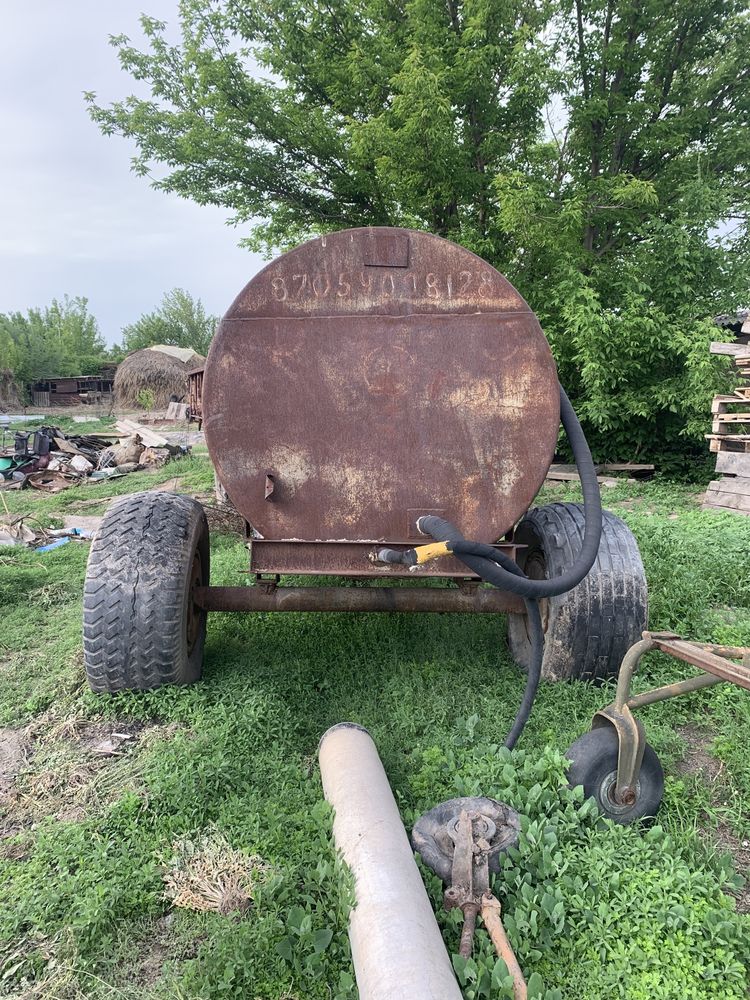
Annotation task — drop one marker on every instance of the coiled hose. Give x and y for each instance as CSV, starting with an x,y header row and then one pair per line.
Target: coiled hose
x,y
499,570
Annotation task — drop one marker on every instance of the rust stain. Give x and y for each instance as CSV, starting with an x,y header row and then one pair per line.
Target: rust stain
x,y
419,380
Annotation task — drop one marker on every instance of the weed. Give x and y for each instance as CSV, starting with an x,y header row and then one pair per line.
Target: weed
x,y
593,910
206,873
146,399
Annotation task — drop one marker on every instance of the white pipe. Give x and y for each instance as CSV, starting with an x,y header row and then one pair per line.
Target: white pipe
x,y
397,949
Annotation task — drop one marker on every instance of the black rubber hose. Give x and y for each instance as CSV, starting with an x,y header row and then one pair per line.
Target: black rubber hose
x,y
499,570
534,673
484,568
496,568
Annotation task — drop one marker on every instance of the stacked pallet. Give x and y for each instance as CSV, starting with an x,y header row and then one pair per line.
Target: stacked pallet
x,y
730,440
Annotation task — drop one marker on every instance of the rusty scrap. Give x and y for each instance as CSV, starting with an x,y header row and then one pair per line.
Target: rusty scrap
x,y
461,841
492,921
717,665
469,890
270,597
337,403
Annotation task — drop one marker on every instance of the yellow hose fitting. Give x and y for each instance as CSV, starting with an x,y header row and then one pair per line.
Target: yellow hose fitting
x,y
433,551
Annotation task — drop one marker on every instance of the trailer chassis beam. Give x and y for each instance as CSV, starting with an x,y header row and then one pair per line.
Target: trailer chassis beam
x,y
468,598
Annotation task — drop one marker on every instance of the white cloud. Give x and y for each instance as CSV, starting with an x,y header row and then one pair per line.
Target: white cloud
x,y
73,218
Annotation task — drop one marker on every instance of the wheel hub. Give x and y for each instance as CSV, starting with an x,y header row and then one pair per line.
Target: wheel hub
x,y
435,834
607,795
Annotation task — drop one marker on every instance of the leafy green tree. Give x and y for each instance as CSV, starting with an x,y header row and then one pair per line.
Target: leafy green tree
x,y
595,151
179,320
61,339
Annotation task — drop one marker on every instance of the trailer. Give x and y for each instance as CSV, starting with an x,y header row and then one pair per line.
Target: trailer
x,y
381,406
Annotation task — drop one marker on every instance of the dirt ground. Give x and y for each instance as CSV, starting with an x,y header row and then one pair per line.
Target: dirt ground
x,y
14,749
698,762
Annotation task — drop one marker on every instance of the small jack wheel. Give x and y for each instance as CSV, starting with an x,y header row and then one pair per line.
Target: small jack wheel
x,y
593,765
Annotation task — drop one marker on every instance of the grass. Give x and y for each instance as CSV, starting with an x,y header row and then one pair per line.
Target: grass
x,y
592,909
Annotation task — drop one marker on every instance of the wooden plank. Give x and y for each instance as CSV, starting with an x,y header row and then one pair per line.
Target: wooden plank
x,y
607,467
742,392
149,438
737,484
733,463
720,348
727,501
178,411
725,510
727,498
66,446
560,476
633,467
734,418
556,476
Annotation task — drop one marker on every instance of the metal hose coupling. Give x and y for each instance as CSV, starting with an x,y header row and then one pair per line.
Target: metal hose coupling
x,y
414,557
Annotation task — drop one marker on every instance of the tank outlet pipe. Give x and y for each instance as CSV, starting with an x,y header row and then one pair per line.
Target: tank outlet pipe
x,y
397,948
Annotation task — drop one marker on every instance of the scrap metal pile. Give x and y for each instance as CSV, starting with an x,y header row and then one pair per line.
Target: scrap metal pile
x,y
47,459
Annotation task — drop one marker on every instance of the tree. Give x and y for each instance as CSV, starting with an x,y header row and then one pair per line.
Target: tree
x,y
595,151
61,339
179,320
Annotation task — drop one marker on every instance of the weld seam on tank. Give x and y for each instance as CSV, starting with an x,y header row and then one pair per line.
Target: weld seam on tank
x,y
397,948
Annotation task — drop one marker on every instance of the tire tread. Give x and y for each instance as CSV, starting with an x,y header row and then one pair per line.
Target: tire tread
x,y
136,590
592,626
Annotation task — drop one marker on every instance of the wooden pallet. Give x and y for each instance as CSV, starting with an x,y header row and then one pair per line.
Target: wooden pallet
x,y
728,442
729,494
742,362
727,423
721,402
726,419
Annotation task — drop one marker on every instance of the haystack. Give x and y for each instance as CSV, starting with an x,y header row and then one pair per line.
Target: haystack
x,y
148,378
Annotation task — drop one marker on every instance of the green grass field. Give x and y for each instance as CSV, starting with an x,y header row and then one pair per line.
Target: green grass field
x,y
229,765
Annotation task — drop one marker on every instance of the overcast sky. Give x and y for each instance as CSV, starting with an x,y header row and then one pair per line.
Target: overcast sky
x,y
73,218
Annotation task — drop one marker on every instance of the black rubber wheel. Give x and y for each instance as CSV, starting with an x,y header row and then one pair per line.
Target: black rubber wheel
x,y
589,629
141,627
593,764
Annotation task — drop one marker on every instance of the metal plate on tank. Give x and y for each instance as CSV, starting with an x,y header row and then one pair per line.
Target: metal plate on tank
x,y
375,373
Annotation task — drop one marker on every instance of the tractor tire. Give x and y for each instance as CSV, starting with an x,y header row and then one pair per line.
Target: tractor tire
x,y
589,629
141,627
593,764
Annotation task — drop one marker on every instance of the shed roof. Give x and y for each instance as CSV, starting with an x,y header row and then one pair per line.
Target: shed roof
x,y
183,354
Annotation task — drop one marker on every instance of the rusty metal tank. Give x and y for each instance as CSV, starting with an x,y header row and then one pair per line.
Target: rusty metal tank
x,y
358,384
369,377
